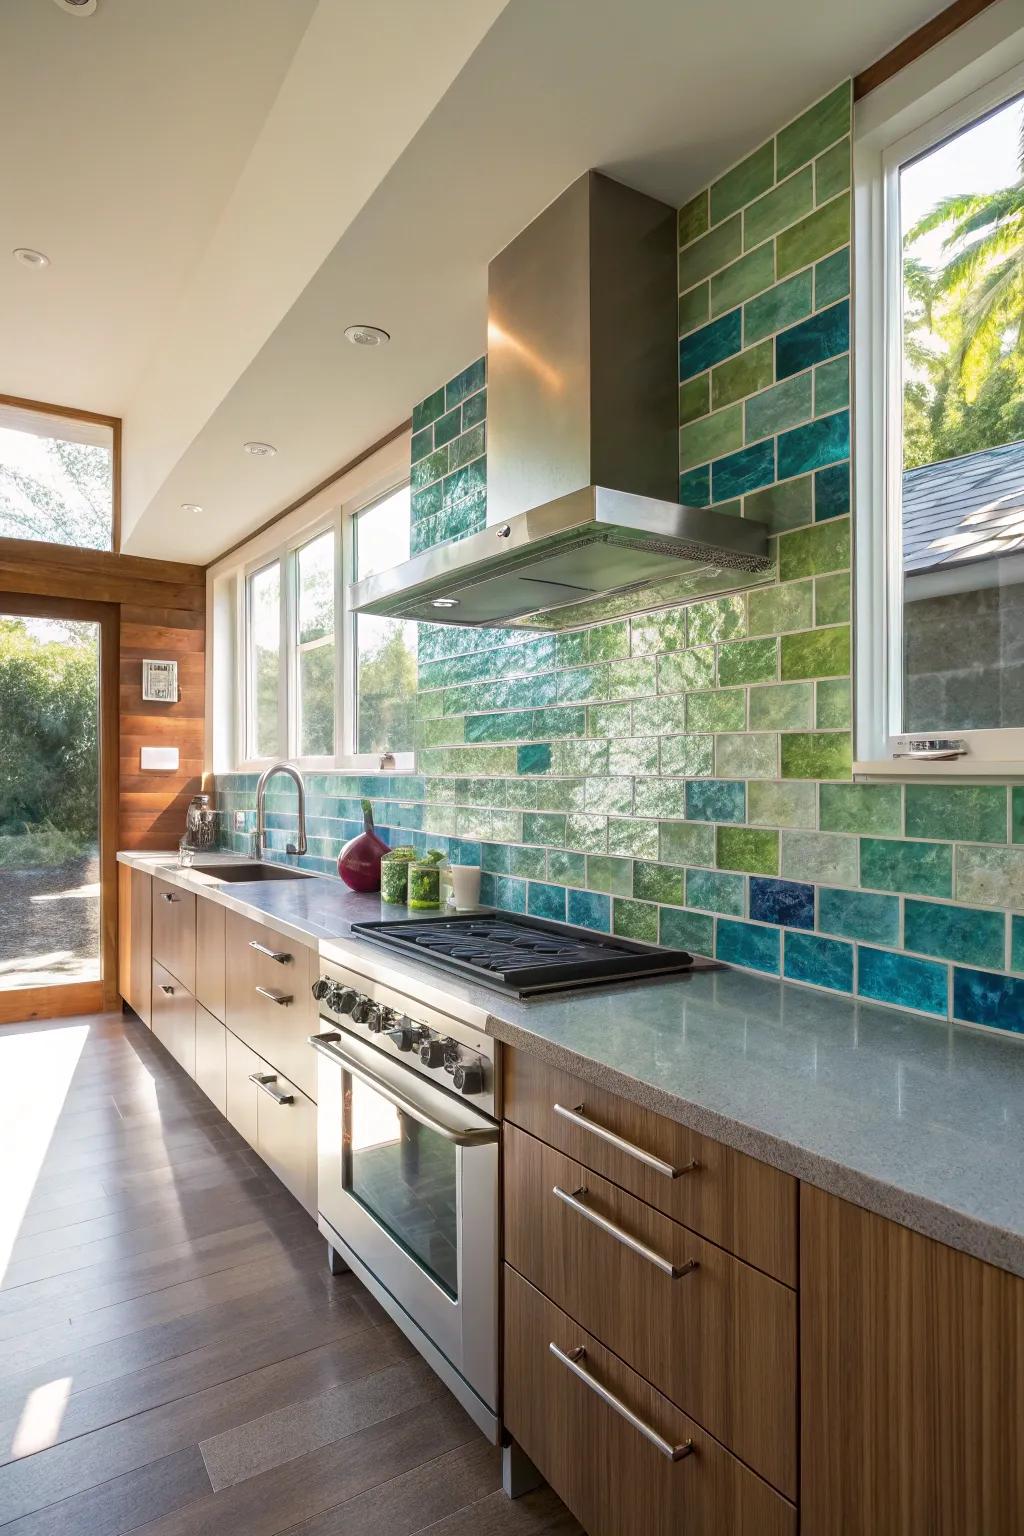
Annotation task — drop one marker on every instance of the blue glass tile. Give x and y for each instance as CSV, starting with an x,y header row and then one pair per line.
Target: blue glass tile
x,y
902,981
955,933
716,800
819,442
823,335
509,894
821,962
533,759
832,492
546,901
710,344
782,901
743,944
466,852
590,910
746,470
695,487
981,998
694,931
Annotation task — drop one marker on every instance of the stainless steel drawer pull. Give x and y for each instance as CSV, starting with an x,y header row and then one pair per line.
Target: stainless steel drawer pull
x,y
572,1362
165,988
282,999
280,955
657,1164
266,1081
575,1203
169,896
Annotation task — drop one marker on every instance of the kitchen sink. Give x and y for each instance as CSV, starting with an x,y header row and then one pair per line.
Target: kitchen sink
x,y
245,873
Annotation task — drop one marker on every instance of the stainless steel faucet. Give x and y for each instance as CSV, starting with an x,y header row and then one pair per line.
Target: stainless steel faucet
x,y
260,835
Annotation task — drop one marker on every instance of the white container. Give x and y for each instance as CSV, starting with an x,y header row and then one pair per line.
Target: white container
x,y
465,879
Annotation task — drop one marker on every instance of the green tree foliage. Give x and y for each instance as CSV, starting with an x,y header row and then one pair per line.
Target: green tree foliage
x,y
68,504
387,693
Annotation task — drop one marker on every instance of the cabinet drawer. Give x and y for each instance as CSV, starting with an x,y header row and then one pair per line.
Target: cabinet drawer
x,y
718,1338
174,1017
286,1130
278,1030
737,1202
609,1473
239,1091
210,956
174,931
211,1058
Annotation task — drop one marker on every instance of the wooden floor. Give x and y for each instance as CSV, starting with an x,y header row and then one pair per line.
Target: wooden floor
x,y
175,1358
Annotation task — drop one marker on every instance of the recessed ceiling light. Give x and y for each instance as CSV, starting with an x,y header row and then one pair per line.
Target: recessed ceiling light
x,y
190,506
444,602
366,336
30,258
77,7
260,450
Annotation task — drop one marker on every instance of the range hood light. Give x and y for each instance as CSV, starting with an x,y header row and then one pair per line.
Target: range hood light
x,y
444,602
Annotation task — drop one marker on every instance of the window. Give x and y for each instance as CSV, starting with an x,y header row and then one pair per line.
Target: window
x,y
314,647
57,477
384,649
264,691
941,411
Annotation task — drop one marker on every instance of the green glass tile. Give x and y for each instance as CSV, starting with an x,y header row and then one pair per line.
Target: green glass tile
x,y
466,383
658,882
613,796
831,386
566,868
694,308
448,426
822,858
559,795
746,755
634,678
833,704
586,757
992,877
817,755
1017,814
658,632
955,933
635,920
684,670
751,849
582,683
613,876
832,172
743,183
921,869
693,218
814,130
690,757
816,653
586,832
814,551
792,804
742,375
691,931
659,797
474,408
608,642
686,842
747,661
722,619
782,206
743,279
428,410
725,710
444,732
967,813
422,444
545,829
778,307
609,720
714,892
814,236
633,755
431,468
781,507
870,808
527,863
831,278
467,447
784,707
694,398
776,610
658,717
633,838
832,599
775,409
571,649
710,252
1017,944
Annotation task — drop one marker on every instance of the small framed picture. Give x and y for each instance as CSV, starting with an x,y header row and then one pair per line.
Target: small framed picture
x,y
160,682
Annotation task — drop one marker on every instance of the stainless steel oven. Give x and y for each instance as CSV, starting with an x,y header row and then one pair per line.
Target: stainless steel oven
x,y
408,1172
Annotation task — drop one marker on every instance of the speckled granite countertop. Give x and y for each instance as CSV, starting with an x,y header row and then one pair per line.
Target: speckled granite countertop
x,y
918,1120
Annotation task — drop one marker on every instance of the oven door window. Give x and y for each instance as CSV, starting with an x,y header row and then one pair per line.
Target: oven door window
x,y
406,1177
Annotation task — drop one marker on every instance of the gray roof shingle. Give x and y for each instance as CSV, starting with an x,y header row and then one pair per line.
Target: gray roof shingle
x,y
971,508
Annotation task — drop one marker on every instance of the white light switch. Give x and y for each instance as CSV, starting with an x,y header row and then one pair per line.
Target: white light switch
x,y
160,757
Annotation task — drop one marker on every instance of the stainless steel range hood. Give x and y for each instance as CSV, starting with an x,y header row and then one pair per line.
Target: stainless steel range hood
x,y
582,424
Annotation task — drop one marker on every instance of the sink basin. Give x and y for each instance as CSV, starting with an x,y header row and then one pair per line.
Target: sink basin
x,y
245,873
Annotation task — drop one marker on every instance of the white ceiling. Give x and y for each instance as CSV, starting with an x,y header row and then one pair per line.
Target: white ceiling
x,y
365,166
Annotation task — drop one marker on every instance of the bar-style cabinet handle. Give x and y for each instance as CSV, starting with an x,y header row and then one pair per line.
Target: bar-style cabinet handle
x,y
280,998
572,1360
266,1081
575,1203
168,896
657,1164
165,988
281,956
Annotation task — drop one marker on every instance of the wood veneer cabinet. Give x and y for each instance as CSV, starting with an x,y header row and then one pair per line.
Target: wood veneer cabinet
x,y
912,1365
174,931
210,959
135,939
174,1017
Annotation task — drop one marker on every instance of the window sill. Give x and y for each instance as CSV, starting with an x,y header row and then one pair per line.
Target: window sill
x,y
957,768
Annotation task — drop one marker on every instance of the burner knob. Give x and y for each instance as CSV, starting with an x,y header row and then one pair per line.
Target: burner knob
x,y
343,1000
321,988
360,1009
432,1053
468,1079
404,1034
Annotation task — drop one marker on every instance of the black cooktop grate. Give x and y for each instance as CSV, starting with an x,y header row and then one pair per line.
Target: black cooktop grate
x,y
521,954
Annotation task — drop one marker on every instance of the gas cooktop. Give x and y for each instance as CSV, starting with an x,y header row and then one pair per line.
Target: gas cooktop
x,y
522,955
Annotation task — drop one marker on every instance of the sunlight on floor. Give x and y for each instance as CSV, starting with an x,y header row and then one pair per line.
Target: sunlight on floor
x,y
41,1417
38,1065
49,970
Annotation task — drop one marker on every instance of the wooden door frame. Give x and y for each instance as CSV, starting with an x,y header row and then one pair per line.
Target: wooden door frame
x,y
57,1001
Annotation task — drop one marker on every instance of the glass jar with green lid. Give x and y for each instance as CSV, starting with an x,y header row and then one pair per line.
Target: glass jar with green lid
x,y
394,876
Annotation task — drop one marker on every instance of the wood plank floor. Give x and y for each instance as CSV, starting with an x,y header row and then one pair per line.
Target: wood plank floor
x,y
175,1358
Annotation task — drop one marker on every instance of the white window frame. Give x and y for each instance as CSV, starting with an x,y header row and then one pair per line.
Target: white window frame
x,y
921,111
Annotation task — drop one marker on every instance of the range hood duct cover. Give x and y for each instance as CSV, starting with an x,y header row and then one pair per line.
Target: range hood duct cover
x,y
582,427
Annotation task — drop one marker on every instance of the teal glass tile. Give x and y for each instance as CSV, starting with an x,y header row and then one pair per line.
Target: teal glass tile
x,y
819,962
955,933
635,920
777,307
1017,943
819,442
902,981
777,408
422,444
981,998
695,487
509,894
1017,814
832,492
533,759
474,409
831,278
710,344
691,931
428,410
590,909
546,901
716,800
744,944
714,892
859,915
469,446
968,813
825,334
448,426
875,809
921,869
746,470
832,386
465,383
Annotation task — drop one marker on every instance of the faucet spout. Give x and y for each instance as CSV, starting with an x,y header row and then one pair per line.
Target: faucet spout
x,y
260,835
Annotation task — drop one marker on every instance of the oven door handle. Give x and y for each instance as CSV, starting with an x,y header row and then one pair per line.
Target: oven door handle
x,y
460,1136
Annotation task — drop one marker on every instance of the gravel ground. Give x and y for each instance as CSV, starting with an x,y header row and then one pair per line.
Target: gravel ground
x,y
50,923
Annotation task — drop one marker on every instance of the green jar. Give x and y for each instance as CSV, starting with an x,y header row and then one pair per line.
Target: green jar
x,y
424,887
394,876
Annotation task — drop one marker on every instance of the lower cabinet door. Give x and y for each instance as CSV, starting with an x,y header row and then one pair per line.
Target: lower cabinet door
x,y
174,1017
240,1092
211,1058
624,1459
286,1122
